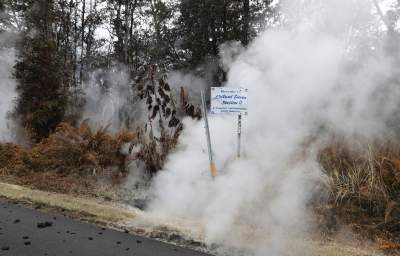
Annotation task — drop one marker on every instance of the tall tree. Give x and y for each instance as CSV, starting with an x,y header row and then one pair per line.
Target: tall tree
x,y
10,15
161,41
124,18
3,17
246,22
206,24
42,80
142,31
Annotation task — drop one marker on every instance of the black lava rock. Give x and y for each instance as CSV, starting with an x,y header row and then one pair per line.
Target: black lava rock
x,y
44,224
5,248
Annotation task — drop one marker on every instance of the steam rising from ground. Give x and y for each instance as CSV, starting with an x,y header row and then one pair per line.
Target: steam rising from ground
x,y
309,78
7,93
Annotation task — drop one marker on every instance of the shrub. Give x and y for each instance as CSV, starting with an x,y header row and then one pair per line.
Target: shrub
x,y
81,150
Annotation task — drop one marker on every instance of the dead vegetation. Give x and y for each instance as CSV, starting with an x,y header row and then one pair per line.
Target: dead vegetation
x,y
363,186
72,152
79,150
161,132
86,149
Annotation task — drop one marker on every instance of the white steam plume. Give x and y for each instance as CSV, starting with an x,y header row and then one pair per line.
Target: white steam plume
x,y
193,83
311,74
7,93
111,100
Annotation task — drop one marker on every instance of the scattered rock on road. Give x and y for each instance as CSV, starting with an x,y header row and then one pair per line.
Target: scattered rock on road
x,y
44,224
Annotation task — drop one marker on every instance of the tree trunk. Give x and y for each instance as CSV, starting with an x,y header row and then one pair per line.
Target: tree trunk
x,y
246,22
76,36
82,39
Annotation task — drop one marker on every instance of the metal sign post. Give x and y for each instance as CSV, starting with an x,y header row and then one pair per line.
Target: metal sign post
x,y
239,133
210,153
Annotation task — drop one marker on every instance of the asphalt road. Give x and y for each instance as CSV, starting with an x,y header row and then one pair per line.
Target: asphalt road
x,y
28,232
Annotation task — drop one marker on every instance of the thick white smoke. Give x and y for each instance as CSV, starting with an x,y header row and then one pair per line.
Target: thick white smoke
x,y
193,83
305,77
111,100
7,93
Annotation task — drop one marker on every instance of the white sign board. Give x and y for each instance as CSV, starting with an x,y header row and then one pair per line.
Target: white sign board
x,y
228,100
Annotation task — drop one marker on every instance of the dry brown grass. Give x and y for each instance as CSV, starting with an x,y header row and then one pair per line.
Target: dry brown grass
x,y
11,158
69,150
363,184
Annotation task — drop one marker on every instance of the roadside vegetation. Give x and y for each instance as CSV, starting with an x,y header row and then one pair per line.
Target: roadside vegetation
x,y
64,151
362,188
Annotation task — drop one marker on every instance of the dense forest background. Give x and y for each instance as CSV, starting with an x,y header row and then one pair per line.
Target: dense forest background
x,y
63,46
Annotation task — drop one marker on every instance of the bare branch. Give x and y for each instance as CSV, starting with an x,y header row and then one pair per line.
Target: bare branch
x,y
379,10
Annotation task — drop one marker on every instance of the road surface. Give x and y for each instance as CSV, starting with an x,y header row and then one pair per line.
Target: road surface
x,y
28,232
